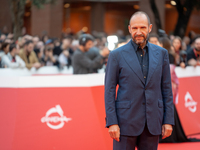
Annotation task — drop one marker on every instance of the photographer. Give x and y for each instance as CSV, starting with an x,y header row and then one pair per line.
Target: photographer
x,y
48,58
81,63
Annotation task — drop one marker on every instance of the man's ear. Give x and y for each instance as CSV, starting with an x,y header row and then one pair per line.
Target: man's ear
x,y
129,28
150,28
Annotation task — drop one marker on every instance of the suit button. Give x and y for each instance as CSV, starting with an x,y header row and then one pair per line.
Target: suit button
x,y
143,103
145,88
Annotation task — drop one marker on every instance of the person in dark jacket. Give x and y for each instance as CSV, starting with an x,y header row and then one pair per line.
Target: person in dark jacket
x,y
81,63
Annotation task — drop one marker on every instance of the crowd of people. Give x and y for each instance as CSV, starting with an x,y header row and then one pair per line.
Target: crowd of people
x,y
182,52
32,51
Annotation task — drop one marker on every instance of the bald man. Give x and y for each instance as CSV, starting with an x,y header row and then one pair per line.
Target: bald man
x,y
142,109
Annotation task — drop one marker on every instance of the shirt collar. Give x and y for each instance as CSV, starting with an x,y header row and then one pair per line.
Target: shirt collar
x,y
136,47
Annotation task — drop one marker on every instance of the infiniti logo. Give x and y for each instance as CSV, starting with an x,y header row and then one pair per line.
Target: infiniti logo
x,y
61,119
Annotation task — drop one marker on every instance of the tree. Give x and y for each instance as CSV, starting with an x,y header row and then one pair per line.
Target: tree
x,y
184,8
17,13
156,14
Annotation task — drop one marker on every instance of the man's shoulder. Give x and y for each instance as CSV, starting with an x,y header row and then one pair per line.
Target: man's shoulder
x,y
5,56
21,52
156,47
121,48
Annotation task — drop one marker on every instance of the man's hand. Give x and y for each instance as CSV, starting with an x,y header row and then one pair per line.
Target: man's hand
x,y
182,65
105,52
166,130
114,132
37,65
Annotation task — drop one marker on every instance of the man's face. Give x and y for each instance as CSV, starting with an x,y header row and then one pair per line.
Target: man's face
x,y
139,29
29,47
66,43
153,40
14,51
197,44
88,45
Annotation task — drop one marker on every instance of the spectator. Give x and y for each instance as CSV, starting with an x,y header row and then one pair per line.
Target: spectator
x,y
177,45
12,60
3,37
45,38
193,56
186,40
5,49
165,43
153,38
48,58
29,56
83,64
40,56
92,54
64,51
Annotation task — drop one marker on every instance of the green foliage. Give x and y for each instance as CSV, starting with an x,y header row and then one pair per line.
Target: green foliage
x,y
41,3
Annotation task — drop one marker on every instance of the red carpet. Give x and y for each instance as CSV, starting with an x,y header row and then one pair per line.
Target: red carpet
x,y
181,146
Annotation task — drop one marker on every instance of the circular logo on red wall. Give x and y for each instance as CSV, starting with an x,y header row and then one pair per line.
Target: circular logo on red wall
x,y
55,122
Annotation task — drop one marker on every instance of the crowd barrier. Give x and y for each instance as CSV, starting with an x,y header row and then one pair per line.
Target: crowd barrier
x,y
45,70
67,111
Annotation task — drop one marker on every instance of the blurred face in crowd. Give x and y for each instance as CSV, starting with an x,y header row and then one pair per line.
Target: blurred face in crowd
x,y
6,49
177,44
139,29
35,40
29,47
197,44
153,40
3,37
66,43
8,40
14,52
88,45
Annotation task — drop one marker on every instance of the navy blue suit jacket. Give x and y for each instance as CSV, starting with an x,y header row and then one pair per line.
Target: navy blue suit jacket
x,y
137,102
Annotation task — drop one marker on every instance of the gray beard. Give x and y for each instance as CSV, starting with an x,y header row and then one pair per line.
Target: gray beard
x,y
141,44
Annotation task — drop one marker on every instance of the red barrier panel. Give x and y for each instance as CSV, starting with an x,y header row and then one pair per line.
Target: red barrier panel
x,y
53,118
188,102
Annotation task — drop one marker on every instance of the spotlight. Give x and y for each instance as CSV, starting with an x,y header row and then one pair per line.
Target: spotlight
x,y
173,3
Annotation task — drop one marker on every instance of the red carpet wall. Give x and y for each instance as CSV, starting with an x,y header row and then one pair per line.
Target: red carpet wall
x,y
67,112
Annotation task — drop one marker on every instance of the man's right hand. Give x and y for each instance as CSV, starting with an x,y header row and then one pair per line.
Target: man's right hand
x,y
114,132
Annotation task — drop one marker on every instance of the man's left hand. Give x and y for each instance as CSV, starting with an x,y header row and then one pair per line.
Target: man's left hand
x,y
166,130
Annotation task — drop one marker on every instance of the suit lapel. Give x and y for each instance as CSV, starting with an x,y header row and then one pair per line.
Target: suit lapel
x,y
153,61
131,59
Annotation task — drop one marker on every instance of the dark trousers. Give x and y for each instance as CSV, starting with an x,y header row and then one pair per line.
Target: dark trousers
x,y
145,141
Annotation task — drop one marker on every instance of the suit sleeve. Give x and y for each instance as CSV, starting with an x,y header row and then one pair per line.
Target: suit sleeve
x,y
111,81
167,92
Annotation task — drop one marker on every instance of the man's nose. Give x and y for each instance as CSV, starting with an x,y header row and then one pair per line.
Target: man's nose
x,y
139,31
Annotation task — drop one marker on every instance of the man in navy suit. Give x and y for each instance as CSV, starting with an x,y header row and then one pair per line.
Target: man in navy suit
x,y
142,109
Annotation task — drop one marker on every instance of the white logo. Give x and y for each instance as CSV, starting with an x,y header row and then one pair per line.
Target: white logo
x,y
55,119
190,103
